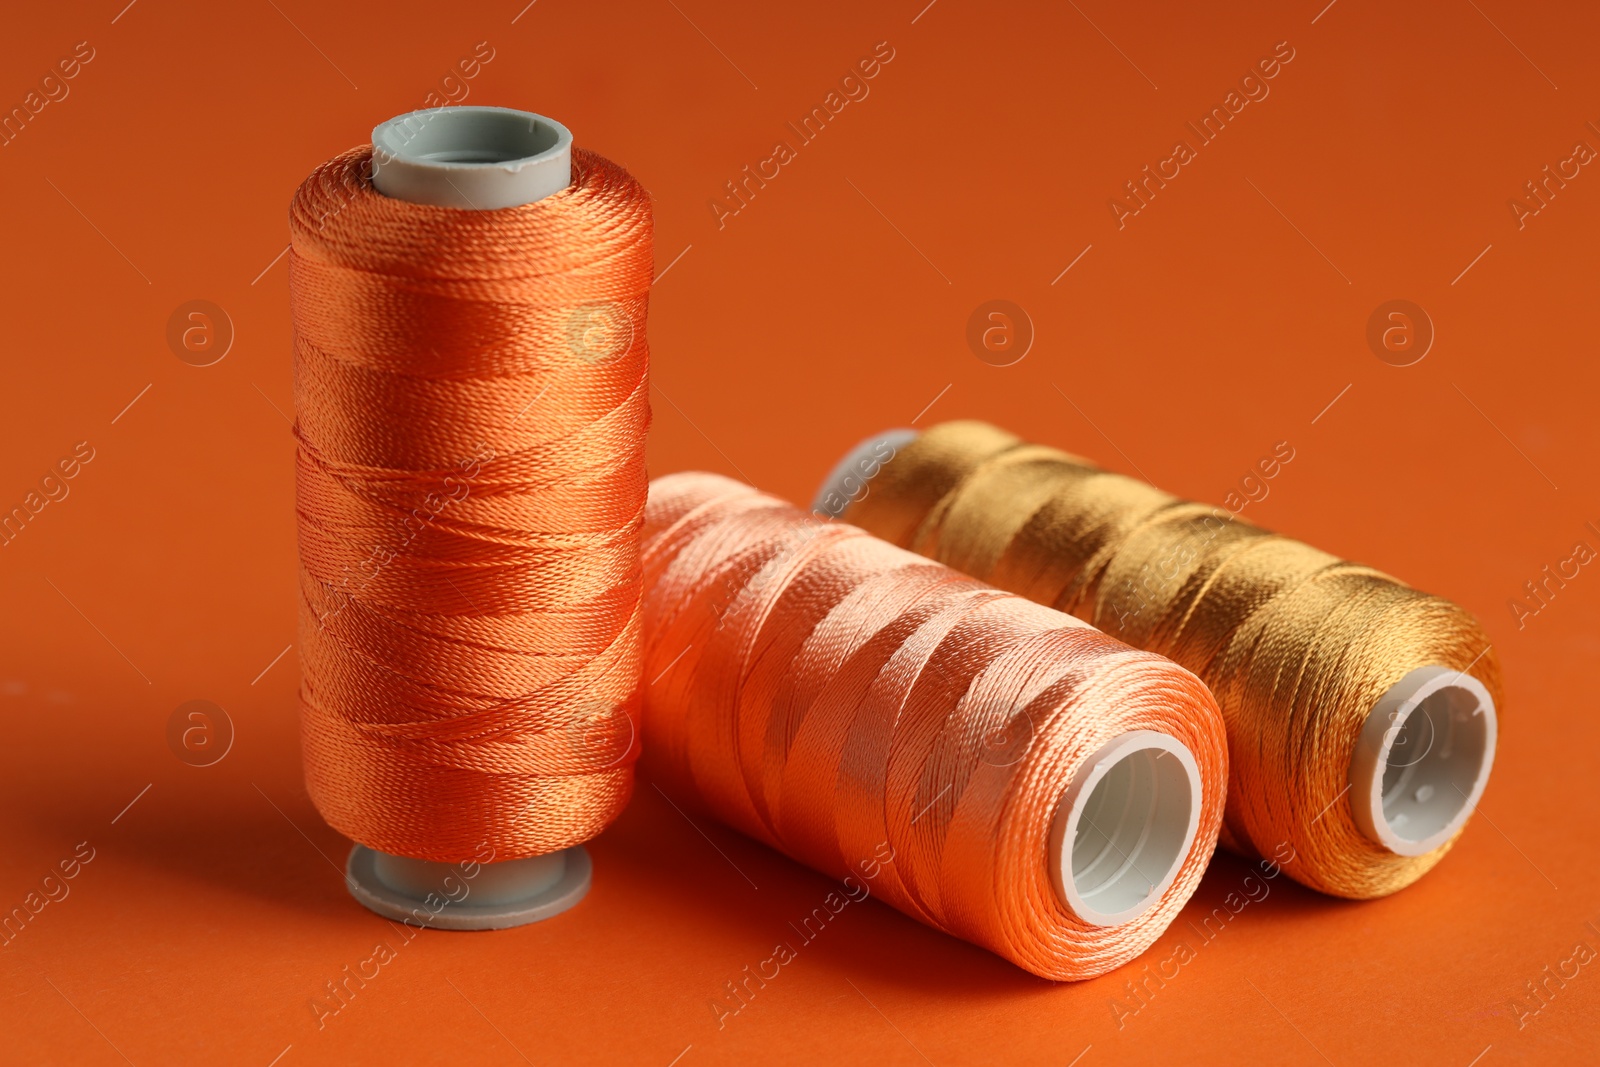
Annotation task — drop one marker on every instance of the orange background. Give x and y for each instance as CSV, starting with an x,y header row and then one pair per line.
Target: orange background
x,y
1222,319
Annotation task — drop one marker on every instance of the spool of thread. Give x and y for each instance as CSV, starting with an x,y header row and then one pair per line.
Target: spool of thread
x,y
1361,713
471,395
995,769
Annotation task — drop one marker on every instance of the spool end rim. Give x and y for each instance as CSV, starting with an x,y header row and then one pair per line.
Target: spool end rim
x,y
471,157
1414,781
525,891
847,482
1125,827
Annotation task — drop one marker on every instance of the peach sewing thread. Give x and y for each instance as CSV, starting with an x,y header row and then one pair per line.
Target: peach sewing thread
x,y
1297,645
472,399
862,709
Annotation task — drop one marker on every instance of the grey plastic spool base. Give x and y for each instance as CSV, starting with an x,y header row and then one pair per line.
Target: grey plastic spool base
x,y
503,907
477,159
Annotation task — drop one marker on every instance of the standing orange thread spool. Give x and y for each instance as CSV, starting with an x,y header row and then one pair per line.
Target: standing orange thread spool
x,y
471,394
1361,712
993,768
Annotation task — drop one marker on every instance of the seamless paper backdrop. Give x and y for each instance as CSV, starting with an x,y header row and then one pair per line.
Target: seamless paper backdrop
x,y
1169,240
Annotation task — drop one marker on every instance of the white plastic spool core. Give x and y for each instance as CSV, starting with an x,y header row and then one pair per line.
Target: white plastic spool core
x,y
1124,827
1415,779
1423,760
475,158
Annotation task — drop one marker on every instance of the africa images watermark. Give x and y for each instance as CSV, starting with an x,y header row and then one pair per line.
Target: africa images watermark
x,y
740,991
340,991
855,482
850,486
1155,976
1537,193
54,888
1154,581
455,89
1253,85
456,487
53,488
853,87
1553,577
597,333
1541,993
53,89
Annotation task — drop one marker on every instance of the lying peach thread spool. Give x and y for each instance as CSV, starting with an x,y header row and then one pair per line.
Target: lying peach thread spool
x,y
471,391
1361,713
1005,773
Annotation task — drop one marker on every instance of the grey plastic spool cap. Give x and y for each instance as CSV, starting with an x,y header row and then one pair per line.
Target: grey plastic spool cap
x,y
477,159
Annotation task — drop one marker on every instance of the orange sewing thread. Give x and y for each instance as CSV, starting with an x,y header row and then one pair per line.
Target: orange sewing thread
x,y
472,400
1361,712
884,719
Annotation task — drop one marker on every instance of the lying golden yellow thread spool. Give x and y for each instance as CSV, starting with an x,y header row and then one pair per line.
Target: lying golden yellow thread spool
x,y
1361,712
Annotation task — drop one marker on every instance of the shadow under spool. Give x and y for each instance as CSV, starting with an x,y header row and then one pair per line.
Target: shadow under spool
x,y
475,159
1420,761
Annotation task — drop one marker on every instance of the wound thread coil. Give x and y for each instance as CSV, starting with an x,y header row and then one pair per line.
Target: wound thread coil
x,y
849,703
1325,670
471,393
